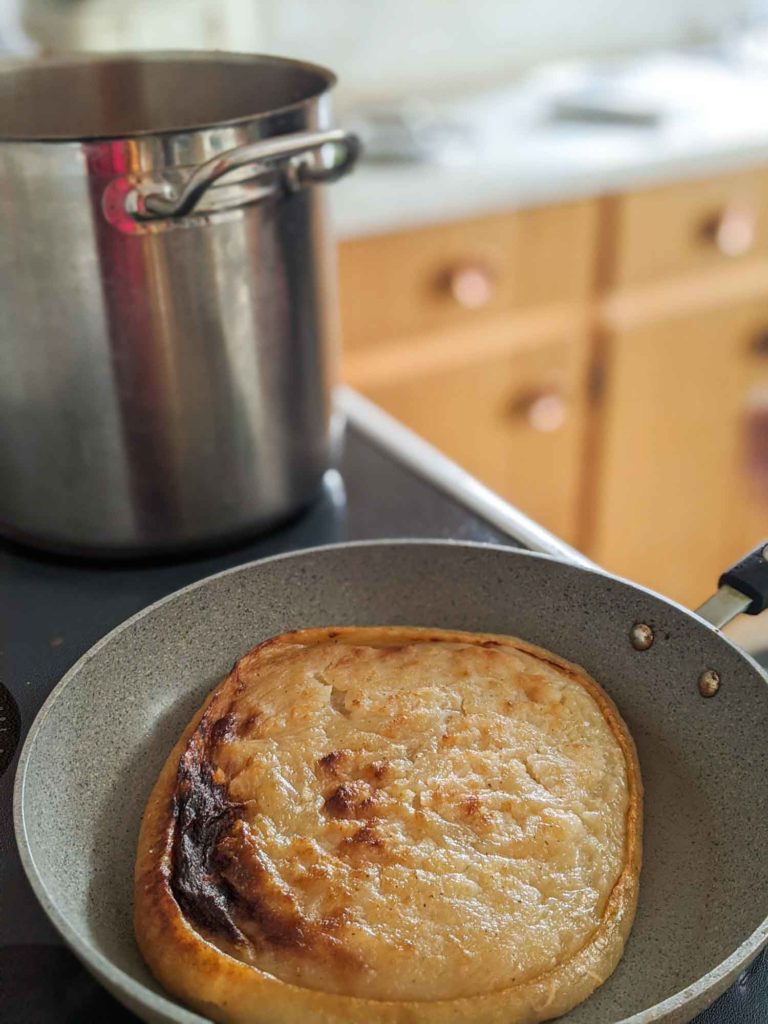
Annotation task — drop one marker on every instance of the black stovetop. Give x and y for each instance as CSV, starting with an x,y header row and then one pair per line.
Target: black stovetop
x,y
52,610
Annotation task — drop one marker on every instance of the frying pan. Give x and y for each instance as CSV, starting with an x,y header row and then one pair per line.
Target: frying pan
x,y
695,703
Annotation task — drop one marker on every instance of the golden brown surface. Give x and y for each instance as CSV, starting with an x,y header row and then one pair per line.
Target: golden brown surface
x,y
392,825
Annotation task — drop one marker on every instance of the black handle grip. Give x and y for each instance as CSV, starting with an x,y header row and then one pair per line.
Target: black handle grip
x,y
750,578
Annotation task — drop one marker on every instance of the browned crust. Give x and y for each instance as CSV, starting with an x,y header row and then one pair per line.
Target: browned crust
x,y
231,992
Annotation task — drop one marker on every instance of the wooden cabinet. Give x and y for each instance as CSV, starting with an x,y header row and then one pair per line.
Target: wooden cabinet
x,y
658,233
455,274
602,364
682,488
513,413
679,486
476,335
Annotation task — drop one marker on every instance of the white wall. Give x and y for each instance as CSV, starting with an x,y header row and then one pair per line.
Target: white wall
x,y
386,47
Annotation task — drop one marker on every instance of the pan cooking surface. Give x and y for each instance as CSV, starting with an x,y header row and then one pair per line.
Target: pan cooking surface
x,y
704,888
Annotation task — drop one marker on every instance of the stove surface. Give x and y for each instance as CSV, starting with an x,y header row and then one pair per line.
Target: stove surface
x,y
53,610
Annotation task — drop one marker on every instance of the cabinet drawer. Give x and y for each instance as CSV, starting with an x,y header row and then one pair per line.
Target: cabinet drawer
x,y
419,280
687,227
515,418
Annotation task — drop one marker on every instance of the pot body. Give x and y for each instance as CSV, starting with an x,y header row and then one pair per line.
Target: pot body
x,y
164,381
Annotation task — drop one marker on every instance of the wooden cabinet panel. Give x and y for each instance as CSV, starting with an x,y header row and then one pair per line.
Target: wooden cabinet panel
x,y
478,335
687,227
449,275
514,417
683,473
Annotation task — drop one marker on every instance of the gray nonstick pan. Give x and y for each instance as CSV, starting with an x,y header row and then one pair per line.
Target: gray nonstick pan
x,y
696,705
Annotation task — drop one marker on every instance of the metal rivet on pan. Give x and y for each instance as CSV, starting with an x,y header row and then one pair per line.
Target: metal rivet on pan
x,y
641,636
709,683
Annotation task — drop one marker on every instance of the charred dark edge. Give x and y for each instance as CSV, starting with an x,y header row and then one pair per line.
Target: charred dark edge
x,y
202,814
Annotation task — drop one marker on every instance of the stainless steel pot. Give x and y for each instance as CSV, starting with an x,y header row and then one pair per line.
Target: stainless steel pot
x,y
167,297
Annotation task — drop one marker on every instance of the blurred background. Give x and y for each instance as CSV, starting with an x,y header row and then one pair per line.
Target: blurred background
x,y
553,262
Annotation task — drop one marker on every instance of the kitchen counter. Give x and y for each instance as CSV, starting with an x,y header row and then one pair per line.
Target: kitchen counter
x,y
673,117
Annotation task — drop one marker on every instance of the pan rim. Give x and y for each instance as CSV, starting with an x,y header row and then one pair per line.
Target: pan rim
x,y
116,978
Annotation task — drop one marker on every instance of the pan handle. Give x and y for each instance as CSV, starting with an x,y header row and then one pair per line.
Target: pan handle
x,y
742,589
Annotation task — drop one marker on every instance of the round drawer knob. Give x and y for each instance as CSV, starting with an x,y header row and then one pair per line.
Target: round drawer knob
x,y
471,285
545,411
733,230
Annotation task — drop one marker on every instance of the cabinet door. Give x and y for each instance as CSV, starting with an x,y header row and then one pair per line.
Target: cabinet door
x,y
513,417
682,483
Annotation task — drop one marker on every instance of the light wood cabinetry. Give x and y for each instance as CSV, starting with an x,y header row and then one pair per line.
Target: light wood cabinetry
x,y
512,411
602,364
433,278
678,488
477,336
658,233
683,478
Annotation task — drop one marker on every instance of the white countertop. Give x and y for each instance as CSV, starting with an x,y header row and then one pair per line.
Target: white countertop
x,y
711,118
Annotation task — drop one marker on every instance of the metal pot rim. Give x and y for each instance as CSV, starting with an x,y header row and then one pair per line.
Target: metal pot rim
x,y
326,80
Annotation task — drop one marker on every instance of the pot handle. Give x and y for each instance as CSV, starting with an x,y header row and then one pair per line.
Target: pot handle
x,y
742,589
286,163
